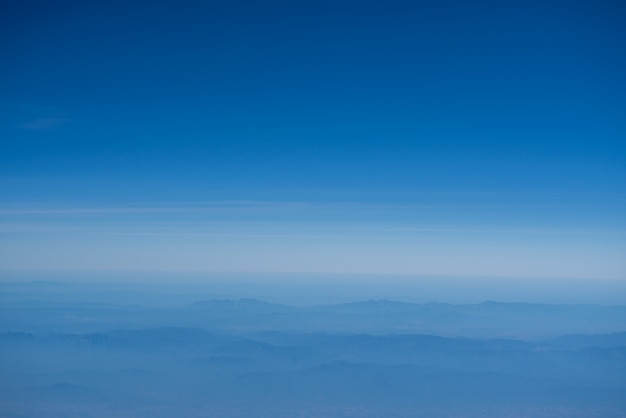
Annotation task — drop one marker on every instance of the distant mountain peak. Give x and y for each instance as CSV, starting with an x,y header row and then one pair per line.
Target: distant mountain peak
x,y
376,304
243,303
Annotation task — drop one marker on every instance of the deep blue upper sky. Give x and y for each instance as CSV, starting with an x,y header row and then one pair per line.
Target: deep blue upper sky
x,y
516,104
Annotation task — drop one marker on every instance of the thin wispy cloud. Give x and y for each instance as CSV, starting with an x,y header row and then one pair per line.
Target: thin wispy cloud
x,y
313,229
45,124
262,206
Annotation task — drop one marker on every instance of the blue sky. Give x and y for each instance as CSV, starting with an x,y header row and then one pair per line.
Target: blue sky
x,y
413,137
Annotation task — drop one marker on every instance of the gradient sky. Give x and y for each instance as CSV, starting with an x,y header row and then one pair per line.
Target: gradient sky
x,y
412,137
